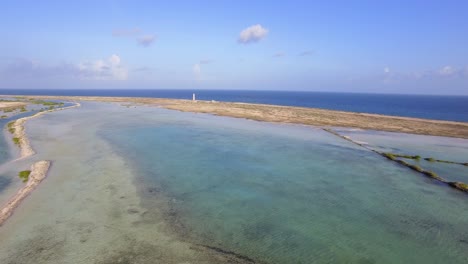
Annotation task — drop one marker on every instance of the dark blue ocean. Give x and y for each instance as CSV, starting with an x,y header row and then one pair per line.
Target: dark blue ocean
x,y
453,108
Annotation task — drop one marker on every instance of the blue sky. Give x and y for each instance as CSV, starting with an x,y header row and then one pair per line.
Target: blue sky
x,y
416,47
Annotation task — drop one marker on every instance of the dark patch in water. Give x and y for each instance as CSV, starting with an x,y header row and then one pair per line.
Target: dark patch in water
x,y
83,230
4,182
133,211
230,253
134,252
153,190
46,246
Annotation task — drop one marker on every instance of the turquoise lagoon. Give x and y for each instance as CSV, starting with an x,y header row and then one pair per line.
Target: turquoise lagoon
x,y
139,184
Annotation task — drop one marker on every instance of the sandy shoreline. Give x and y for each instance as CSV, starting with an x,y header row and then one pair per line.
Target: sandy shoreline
x,y
38,173
38,170
11,104
25,147
296,115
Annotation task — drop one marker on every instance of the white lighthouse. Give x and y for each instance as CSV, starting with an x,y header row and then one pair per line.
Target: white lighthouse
x,y
193,97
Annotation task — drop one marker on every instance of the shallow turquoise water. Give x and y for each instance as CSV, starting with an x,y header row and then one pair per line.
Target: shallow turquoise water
x,y
289,194
443,148
146,185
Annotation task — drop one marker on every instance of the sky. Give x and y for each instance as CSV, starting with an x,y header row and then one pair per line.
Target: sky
x,y
409,47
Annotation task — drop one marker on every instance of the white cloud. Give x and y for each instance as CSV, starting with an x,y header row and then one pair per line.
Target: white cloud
x,y
146,40
101,69
110,69
386,70
448,71
252,34
197,71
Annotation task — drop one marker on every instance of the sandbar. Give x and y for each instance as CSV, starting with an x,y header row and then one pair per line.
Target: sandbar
x,y
297,115
38,173
38,170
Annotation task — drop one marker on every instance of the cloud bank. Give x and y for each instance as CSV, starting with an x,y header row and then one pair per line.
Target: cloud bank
x,y
110,69
252,34
101,69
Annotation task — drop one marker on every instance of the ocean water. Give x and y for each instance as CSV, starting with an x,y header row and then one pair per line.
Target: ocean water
x,y
454,108
144,185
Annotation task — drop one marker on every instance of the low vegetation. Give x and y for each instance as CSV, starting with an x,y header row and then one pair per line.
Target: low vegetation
x,y
11,127
45,103
446,161
24,175
393,156
389,156
415,167
3,116
17,141
430,174
459,185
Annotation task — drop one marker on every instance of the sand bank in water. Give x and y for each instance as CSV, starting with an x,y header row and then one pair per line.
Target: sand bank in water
x,y
297,115
38,169
38,173
25,147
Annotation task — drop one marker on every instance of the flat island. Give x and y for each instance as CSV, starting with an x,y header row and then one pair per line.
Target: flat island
x,y
297,115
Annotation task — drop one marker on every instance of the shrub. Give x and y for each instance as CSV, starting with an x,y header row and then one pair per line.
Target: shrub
x,y
24,175
16,140
416,168
11,127
389,156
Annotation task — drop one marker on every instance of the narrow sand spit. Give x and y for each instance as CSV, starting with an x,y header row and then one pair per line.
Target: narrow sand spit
x,y
296,115
38,173
38,170
25,147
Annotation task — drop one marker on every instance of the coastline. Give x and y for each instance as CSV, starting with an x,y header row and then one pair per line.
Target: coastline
x,y
38,169
38,173
296,115
25,147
